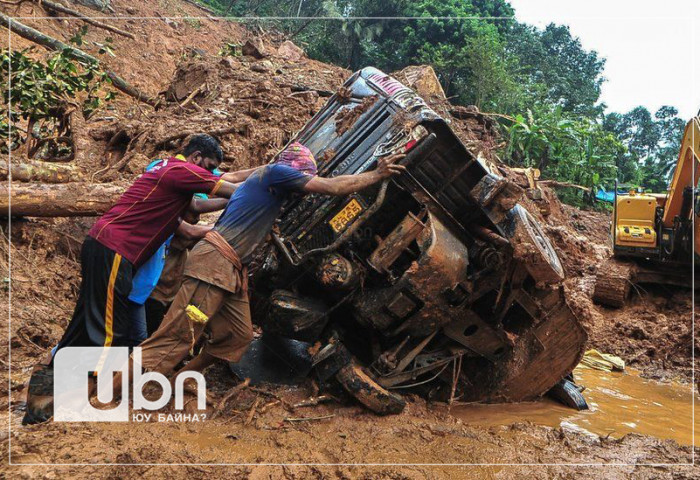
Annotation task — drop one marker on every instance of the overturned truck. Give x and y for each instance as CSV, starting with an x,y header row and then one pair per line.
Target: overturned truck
x,y
436,280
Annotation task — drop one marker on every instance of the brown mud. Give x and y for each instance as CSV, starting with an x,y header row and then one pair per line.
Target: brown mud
x,y
346,118
256,106
620,403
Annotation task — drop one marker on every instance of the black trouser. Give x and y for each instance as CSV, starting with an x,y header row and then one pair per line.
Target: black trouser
x,y
155,311
101,316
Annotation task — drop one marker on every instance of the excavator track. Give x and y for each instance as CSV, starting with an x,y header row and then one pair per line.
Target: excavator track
x,y
613,283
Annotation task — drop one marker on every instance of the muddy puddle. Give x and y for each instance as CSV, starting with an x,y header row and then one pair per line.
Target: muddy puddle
x,y
620,403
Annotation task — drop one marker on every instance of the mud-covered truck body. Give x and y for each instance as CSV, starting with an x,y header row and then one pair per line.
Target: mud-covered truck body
x,y
436,280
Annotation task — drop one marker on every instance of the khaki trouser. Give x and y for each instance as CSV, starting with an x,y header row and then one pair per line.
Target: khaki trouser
x,y
229,328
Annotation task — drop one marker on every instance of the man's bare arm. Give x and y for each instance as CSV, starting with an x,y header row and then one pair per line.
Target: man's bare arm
x,y
239,176
225,189
207,205
344,184
192,232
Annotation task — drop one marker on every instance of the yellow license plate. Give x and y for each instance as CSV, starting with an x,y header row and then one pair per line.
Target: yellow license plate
x,y
345,216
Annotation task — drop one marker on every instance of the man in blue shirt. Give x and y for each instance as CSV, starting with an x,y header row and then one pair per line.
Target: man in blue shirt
x,y
213,296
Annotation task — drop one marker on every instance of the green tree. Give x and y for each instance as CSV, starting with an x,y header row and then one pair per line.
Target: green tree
x,y
563,146
652,141
556,68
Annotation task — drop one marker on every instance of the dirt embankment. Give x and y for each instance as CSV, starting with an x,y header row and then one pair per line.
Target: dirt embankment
x,y
255,105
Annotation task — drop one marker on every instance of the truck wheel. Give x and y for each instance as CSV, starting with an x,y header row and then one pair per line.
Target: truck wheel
x,y
613,283
533,247
368,392
568,393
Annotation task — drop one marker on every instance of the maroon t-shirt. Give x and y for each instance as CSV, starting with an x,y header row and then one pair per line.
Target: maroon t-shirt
x,y
151,209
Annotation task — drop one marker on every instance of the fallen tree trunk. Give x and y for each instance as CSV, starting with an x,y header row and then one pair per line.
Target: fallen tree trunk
x,y
34,171
64,200
52,44
555,183
201,7
57,7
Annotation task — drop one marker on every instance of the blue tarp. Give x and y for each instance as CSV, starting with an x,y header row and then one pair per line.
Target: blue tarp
x,y
604,195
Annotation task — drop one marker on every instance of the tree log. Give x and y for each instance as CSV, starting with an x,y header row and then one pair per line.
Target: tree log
x,y
35,171
52,44
201,7
64,200
57,7
555,183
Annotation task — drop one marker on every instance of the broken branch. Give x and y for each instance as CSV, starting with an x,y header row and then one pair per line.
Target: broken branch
x,y
57,7
229,395
309,419
52,44
201,7
251,414
32,171
555,183
191,96
313,401
215,133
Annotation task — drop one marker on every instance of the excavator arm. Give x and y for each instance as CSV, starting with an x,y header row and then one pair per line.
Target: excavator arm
x,y
686,174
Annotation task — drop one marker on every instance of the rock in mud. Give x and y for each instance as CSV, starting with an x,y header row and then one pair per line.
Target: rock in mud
x,y
289,51
171,23
190,76
423,80
265,66
254,47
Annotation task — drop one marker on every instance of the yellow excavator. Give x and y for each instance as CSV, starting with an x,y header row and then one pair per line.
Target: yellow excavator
x,y
654,237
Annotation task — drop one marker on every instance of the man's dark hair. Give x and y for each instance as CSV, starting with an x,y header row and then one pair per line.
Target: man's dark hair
x,y
207,145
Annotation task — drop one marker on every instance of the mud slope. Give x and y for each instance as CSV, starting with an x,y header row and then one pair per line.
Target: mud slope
x,y
148,60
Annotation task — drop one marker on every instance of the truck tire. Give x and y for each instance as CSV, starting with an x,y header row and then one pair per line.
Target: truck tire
x,y
368,392
568,393
533,247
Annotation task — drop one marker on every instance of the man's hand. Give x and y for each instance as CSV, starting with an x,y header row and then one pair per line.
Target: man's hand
x,y
192,232
386,166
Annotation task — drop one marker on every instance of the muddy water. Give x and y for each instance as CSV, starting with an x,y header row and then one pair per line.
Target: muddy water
x,y
620,403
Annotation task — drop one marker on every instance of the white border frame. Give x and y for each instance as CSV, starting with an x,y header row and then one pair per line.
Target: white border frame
x,y
9,232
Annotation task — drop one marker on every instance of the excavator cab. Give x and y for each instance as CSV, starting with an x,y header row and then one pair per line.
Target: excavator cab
x,y
635,222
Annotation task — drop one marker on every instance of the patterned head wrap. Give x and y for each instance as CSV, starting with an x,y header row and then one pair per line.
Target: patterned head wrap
x,y
298,157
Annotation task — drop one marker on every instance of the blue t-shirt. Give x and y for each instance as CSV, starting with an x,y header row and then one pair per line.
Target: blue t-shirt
x,y
253,208
148,274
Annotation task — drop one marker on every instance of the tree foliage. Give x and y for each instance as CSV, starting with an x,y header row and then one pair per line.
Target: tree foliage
x,y
571,149
40,93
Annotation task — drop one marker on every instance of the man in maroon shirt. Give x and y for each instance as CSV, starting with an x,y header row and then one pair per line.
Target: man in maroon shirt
x,y
121,241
